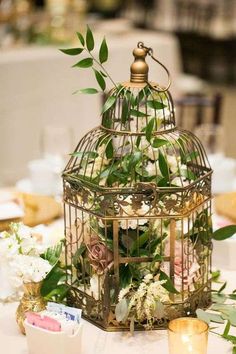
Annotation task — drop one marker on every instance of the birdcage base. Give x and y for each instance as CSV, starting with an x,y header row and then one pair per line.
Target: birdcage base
x,y
105,319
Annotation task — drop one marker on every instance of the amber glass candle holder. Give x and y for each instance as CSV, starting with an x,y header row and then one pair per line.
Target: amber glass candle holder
x,y
187,335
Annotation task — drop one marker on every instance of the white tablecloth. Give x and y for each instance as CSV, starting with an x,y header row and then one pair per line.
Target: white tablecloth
x,y
36,88
96,341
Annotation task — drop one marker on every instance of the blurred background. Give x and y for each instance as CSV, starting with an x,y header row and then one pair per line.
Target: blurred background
x,y
40,119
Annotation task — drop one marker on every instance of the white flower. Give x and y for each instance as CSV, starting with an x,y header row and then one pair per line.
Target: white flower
x,y
10,284
143,300
123,292
8,247
23,231
94,286
29,268
173,162
50,235
152,168
179,182
147,278
132,224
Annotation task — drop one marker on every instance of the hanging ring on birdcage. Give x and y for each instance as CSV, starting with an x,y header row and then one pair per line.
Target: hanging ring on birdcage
x,y
150,52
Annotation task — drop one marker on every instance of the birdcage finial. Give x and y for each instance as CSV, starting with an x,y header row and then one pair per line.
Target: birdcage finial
x,y
139,68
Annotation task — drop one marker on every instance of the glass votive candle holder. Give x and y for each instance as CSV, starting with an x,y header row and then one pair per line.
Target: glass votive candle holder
x,y
187,335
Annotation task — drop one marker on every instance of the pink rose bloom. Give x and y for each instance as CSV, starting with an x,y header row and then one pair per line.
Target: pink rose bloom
x,y
99,255
186,265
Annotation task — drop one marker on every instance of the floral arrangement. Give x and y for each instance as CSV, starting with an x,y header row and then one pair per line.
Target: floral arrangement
x,y
25,256
142,302
151,152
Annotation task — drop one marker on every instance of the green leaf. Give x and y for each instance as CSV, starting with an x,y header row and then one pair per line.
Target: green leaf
x,y
81,38
103,74
215,275
157,258
89,39
139,97
125,275
142,172
52,279
224,308
134,159
89,90
227,328
158,142
215,318
138,141
109,150
232,296
72,51
84,63
149,129
136,113
202,315
159,310
163,165
224,233
138,243
222,288
130,97
168,285
155,105
121,310
124,113
80,251
191,156
100,79
52,254
103,51
187,173
59,293
218,298
89,154
162,182
108,104
234,350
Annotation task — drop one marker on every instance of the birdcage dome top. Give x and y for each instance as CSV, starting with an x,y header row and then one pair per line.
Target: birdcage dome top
x,y
132,105
138,142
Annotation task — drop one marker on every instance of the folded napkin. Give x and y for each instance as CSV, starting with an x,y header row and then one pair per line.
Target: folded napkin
x,y
10,206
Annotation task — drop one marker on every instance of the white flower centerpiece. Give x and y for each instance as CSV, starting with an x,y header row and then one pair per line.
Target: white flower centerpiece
x,y
22,258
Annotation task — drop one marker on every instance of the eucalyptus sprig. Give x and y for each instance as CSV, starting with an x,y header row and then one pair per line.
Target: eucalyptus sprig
x,y
221,311
91,61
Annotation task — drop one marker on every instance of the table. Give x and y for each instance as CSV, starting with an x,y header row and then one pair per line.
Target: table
x,y
96,341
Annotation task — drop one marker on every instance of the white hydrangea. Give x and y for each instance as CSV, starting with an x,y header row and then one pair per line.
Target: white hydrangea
x,y
9,247
27,242
30,268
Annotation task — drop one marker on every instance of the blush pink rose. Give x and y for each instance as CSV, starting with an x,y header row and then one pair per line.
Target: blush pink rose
x,y
99,255
186,267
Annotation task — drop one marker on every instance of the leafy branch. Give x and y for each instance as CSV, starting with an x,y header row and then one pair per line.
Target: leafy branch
x,y
220,311
100,72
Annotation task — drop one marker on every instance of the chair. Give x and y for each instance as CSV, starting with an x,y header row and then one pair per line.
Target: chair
x,y
192,111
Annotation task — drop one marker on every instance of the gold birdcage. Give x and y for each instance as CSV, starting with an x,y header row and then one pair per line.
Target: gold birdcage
x,y
137,197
